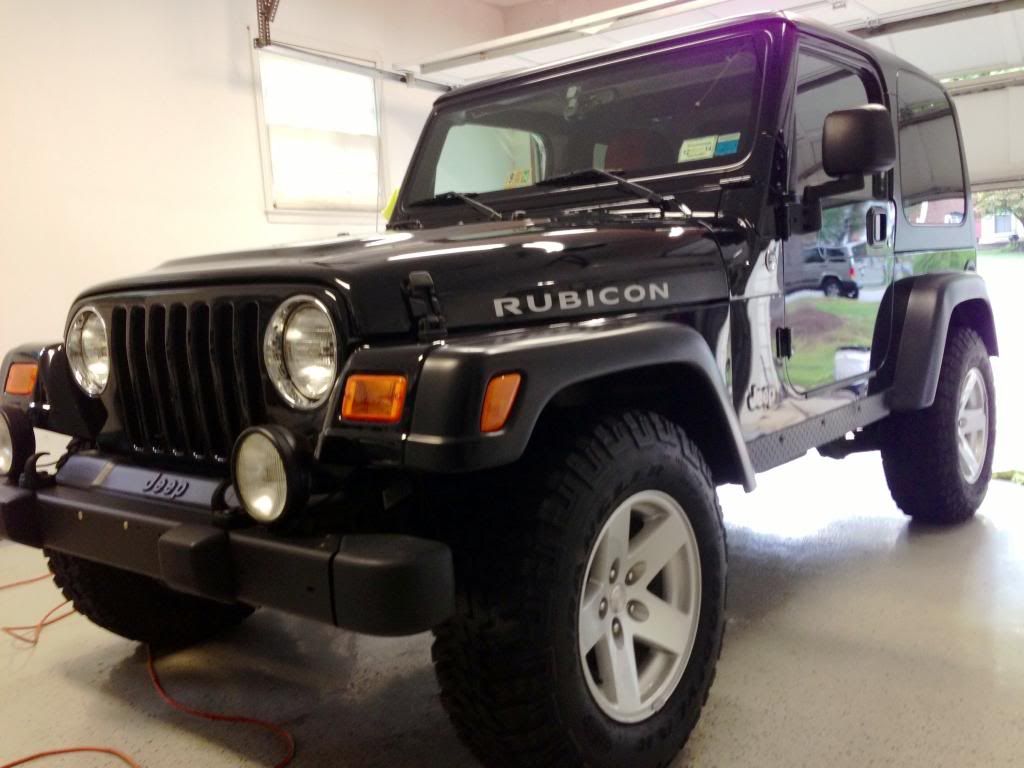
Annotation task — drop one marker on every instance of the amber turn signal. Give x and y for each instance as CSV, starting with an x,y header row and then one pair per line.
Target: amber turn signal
x,y
498,401
374,397
21,379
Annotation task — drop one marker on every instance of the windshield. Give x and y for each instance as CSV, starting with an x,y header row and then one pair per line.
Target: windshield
x,y
690,109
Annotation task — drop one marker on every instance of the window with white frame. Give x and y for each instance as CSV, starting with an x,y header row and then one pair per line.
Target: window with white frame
x,y
1004,223
321,135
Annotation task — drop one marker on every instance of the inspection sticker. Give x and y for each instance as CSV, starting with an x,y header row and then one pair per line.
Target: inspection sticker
x,y
700,148
728,144
518,178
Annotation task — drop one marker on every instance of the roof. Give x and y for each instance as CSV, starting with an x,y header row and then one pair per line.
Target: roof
x,y
884,59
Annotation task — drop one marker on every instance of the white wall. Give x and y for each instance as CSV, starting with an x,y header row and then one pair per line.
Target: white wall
x,y
128,131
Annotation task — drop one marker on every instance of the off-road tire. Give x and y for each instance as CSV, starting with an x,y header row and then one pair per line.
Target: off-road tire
x,y
919,451
138,607
508,663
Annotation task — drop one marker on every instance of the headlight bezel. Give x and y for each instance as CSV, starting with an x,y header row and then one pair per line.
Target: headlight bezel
x,y
275,358
87,381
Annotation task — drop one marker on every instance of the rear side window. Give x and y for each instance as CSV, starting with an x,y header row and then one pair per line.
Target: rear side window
x,y
930,166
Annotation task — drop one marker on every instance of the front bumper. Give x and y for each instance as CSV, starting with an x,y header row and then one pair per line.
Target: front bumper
x,y
375,584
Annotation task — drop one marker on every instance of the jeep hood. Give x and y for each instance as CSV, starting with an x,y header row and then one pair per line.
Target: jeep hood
x,y
485,274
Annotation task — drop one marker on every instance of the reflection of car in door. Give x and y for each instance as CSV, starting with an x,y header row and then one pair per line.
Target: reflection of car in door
x,y
822,268
840,260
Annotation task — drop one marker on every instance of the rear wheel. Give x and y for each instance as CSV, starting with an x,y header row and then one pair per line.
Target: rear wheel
x,y
138,607
938,461
831,287
591,603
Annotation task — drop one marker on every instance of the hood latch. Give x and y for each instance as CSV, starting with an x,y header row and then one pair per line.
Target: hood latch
x,y
425,307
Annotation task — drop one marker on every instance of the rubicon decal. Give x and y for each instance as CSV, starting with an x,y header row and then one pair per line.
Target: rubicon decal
x,y
554,301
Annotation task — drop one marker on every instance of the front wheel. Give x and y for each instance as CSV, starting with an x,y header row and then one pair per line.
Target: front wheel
x,y
938,461
591,605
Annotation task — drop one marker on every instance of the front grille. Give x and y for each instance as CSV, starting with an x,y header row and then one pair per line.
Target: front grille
x,y
188,376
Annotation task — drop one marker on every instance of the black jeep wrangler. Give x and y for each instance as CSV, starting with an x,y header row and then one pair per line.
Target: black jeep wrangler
x,y
505,418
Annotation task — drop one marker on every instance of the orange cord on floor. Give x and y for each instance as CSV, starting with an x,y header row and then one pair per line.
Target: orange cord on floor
x,y
48,619
37,629
286,738
74,750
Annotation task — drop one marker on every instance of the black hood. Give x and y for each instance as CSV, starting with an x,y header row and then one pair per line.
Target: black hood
x,y
498,273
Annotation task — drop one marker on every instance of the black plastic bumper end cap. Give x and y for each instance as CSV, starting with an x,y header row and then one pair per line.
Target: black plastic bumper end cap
x,y
392,585
18,519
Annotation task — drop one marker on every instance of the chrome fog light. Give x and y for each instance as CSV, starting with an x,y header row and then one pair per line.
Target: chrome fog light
x,y
269,476
17,442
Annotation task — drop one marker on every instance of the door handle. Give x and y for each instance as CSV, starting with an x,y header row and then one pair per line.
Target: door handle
x,y
878,225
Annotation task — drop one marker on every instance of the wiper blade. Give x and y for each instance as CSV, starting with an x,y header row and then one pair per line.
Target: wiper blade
x,y
665,204
446,198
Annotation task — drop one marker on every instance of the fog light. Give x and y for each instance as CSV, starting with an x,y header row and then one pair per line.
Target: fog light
x,y
269,475
17,442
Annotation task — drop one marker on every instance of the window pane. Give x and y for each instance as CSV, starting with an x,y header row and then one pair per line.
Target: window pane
x,y
930,169
822,87
322,132
504,158
689,109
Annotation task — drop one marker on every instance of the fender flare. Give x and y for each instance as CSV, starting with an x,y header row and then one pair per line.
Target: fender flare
x,y
57,404
923,308
445,427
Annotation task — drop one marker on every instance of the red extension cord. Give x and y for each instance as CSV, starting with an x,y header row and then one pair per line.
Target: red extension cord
x,y
32,639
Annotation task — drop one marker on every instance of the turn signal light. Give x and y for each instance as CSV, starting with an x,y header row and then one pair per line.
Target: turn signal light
x,y
498,401
374,397
21,379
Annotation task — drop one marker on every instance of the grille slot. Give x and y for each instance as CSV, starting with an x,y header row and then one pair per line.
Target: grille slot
x,y
188,376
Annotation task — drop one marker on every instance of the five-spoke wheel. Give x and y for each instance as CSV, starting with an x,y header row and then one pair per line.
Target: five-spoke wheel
x,y
640,606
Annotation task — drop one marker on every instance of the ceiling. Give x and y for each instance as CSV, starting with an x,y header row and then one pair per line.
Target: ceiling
x,y
958,46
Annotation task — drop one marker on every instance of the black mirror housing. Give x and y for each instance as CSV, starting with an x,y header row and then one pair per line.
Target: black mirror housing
x,y
858,141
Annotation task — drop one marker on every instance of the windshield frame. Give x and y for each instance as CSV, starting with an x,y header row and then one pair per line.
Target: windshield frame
x,y
539,196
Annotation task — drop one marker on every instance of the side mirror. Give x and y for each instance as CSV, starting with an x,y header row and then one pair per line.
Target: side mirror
x,y
854,142
858,141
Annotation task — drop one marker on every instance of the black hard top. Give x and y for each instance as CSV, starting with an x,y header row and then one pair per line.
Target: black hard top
x,y
885,60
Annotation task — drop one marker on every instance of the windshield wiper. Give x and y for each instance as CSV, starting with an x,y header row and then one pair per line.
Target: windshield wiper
x,y
446,198
663,203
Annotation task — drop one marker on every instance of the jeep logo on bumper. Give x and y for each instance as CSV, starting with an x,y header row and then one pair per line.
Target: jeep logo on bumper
x,y
166,487
610,296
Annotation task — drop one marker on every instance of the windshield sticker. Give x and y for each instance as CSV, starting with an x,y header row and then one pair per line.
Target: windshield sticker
x,y
728,144
518,178
701,148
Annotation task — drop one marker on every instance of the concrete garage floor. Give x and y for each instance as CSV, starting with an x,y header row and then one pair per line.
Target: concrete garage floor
x,y
854,639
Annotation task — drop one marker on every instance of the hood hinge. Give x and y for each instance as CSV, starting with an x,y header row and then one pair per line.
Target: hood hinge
x,y
425,307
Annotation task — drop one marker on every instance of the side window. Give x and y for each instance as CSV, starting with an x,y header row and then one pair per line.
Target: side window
x,y
931,172
502,158
823,86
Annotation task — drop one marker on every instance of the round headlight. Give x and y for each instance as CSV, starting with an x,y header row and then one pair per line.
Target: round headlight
x,y
88,352
301,351
270,473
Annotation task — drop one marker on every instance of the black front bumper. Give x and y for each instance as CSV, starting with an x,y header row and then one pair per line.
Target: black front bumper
x,y
376,584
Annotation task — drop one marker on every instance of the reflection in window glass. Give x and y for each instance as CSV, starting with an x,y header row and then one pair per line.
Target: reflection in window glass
x,y
321,125
930,169
505,158
688,109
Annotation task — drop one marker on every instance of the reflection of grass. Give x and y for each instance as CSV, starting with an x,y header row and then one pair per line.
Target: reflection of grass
x,y
816,336
1012,475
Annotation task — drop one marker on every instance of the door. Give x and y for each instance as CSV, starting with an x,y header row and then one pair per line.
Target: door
x,y
834,278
